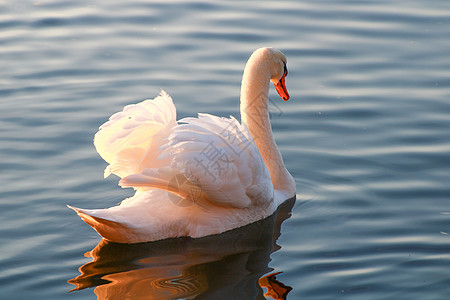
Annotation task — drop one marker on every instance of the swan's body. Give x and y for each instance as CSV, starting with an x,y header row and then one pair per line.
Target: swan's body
x,y
204,176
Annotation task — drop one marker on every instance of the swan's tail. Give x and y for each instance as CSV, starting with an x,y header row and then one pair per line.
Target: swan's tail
x,y
111,230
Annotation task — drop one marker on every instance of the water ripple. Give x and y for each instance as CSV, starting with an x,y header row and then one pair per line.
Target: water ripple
x,y
365,133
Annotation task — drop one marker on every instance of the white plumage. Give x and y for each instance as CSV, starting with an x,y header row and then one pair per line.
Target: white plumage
x,y
198,176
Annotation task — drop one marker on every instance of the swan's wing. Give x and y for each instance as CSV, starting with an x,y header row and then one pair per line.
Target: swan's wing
x,y
221,158
129,141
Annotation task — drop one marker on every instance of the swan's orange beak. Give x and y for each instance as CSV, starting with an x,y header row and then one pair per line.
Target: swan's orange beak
x,y
281,88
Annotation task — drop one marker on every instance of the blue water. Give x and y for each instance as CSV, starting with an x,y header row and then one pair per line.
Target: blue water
x,y
365,135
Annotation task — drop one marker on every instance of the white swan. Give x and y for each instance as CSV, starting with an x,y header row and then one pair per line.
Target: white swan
x,y
203,176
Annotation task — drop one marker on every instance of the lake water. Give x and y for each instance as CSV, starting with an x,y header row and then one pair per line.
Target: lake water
x,y
366,136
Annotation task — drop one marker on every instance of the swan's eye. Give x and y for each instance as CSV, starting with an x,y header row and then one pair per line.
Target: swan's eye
x,y
285,71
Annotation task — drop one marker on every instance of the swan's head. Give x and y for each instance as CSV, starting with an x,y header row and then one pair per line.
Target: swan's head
x,y
265,63
278,71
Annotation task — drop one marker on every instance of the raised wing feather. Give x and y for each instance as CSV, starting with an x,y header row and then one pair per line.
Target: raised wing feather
x,y
219,155
129,141
215,158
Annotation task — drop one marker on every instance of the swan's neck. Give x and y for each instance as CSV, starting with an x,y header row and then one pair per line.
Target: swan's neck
x,y
255,115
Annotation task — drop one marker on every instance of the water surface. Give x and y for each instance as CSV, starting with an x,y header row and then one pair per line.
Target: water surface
x,y
365,135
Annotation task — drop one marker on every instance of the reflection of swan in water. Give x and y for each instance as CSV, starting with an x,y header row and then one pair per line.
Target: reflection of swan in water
x,y
225,266
275,289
